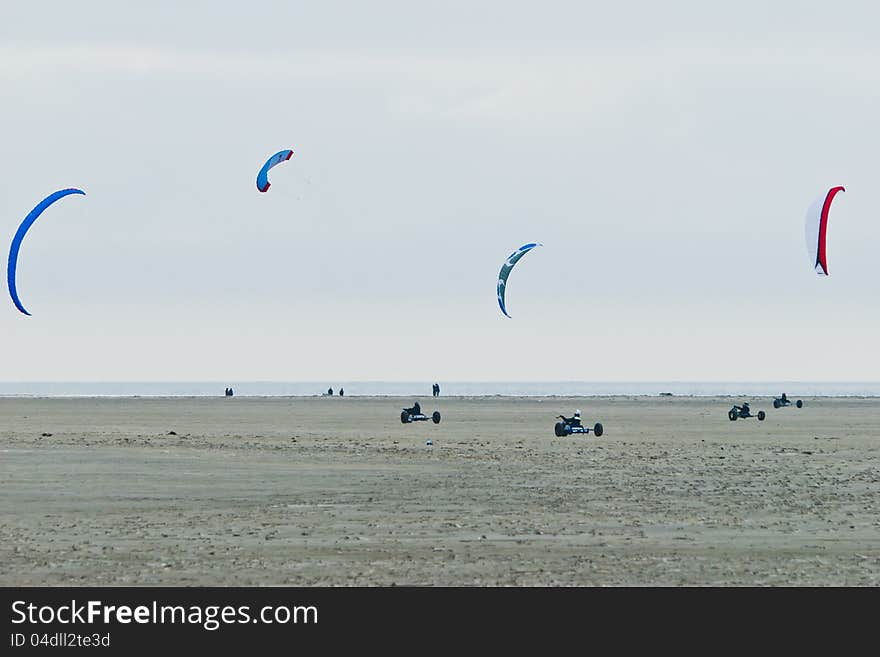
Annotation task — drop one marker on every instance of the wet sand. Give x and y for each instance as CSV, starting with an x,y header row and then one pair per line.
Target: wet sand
x,y
336,491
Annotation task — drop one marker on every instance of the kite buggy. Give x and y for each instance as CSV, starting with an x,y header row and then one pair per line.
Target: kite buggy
x,y
779,402
414,414
569,425
744,412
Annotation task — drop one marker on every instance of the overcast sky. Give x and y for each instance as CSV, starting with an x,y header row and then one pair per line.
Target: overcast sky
x,y
663,153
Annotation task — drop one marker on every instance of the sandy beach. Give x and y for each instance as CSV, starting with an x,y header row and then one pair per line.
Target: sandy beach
x,y
336,491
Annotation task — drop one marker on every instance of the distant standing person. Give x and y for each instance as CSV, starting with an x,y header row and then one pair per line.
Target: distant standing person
x,y
436,389
341,392
330,391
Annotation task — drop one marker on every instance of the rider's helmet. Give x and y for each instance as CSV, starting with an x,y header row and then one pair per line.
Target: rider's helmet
x,y
577,413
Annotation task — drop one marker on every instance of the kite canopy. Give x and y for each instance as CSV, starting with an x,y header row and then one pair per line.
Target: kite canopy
x,y
19,236
506,269
263,175
816,227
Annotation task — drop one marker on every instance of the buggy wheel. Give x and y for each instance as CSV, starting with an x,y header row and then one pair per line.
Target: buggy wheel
x,y
404,417
731,415
559,429
597,429
799,403
775,403
761,416
436,417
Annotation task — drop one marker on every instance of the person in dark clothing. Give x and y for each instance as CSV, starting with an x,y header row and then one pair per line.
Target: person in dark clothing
x,y
415,409
330,391
574,420
341,392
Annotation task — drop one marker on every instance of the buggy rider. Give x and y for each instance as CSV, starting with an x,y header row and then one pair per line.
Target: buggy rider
x,y
575,420
416,409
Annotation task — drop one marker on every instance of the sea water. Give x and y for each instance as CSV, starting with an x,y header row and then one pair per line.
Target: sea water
x,y
447,388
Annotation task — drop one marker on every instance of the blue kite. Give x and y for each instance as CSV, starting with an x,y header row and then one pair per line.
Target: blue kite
x,y
19,236
505,272
263,175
